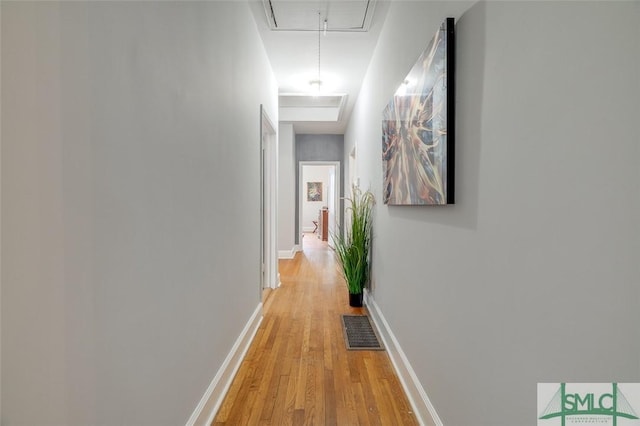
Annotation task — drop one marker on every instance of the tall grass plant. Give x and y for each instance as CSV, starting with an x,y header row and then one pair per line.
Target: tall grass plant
x,y
353,247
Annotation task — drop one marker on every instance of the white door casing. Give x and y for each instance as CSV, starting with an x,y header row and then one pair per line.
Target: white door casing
x,y
268,203
333,192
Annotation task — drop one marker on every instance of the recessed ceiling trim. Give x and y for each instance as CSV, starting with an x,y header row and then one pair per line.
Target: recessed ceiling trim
x,y
297,100
295,107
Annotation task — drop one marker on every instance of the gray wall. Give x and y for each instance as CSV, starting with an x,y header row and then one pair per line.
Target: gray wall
x,y
318,148
130,198
533,275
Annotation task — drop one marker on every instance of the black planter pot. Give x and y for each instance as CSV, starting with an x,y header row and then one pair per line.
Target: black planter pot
x,y
355,300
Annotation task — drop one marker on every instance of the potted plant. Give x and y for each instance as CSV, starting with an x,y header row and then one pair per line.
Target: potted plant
x,y
353,247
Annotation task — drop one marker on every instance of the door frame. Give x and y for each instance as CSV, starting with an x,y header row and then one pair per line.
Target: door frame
x,y
338,212
269,277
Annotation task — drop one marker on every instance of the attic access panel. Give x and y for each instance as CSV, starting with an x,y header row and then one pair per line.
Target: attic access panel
x,y
341,15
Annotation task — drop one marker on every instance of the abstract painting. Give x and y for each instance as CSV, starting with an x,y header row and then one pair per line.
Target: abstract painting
x,y
314,191
418,129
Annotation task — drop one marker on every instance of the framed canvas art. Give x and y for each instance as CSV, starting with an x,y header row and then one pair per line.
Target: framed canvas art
x,y
314,191
418,128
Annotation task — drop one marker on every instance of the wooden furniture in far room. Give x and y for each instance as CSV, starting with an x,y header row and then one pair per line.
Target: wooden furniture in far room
x,y
323,224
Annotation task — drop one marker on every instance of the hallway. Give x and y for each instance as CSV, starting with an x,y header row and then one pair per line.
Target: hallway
x,y
298,371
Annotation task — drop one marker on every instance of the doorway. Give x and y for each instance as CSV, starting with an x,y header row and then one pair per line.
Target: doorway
x,y
269,277
319,189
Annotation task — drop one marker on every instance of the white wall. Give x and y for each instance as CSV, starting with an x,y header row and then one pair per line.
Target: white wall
x,y
533,275
130,200
286,189
310,209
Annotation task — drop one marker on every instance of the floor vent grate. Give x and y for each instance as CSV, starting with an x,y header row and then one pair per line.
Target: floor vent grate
x,y
359,333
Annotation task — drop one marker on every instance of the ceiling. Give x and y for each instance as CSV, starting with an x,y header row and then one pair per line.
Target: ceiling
x,y
289,30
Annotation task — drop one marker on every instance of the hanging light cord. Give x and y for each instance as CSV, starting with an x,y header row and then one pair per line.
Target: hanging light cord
x,y
319,29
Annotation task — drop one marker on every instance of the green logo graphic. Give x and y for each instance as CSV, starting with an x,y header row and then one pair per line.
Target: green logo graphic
x,y
565,405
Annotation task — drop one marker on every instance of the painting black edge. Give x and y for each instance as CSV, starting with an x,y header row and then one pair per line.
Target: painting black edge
x,y
451,108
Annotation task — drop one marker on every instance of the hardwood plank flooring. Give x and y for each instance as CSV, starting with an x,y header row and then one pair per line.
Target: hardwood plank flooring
x,y
298,371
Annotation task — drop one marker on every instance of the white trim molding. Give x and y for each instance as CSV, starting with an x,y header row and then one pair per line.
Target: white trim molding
x,y
422,407
286,254
217,390
289,254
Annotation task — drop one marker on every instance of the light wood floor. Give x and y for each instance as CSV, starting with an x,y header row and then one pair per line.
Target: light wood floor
x,y
298,371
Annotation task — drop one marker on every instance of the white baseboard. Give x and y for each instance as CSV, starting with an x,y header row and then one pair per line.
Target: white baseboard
x,y
289,254
286,254
215,393
422,407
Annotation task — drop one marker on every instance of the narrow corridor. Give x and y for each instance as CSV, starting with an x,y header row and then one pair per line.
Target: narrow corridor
x,y
298,371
